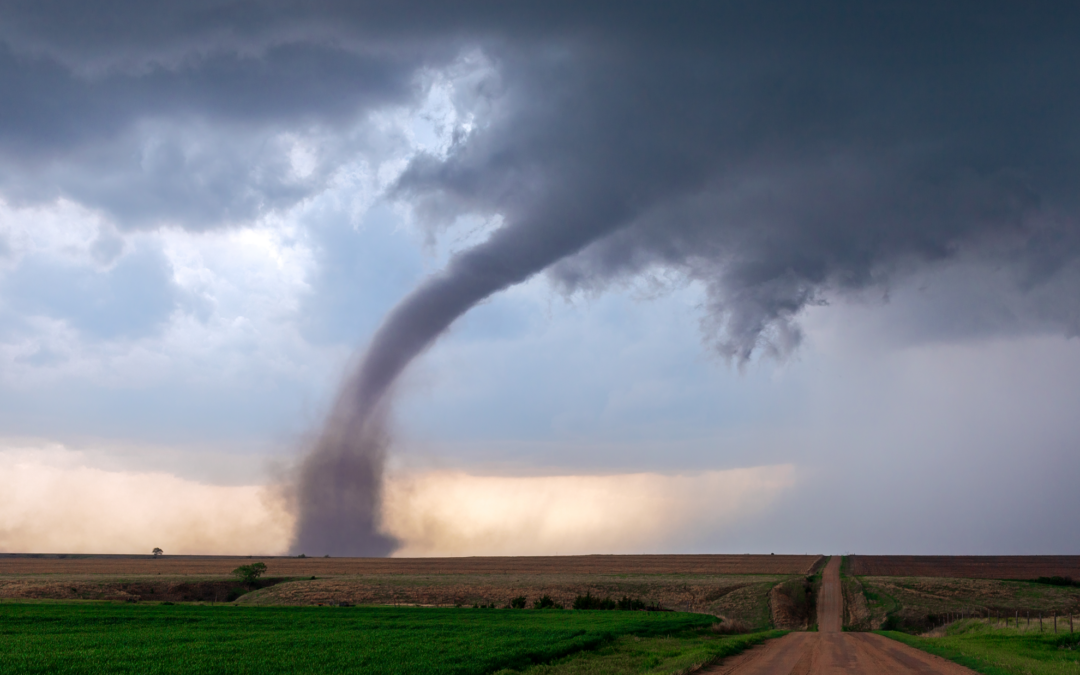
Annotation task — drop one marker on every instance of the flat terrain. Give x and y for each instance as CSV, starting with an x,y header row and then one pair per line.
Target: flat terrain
x,y
832,651
125,638
16,564
968,567
734,587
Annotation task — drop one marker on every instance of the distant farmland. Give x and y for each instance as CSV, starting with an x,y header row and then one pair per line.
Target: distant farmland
x,y
736,587
21,564
965,567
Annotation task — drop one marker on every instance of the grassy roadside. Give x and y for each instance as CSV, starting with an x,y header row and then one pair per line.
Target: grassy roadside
x,y
1000,652
667,655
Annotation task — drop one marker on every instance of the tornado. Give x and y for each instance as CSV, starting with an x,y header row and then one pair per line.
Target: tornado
x,y
339,480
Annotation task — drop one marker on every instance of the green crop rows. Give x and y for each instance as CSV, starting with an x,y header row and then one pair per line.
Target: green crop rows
x,y
113,638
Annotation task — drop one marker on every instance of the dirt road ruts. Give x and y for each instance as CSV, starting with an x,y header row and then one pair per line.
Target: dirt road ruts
x,y
830,603
832,651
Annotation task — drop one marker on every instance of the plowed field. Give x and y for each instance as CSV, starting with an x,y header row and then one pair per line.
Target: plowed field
x,y
969,567
12,564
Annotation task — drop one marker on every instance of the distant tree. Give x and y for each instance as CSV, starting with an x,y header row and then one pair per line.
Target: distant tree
x,y
157,552
249,574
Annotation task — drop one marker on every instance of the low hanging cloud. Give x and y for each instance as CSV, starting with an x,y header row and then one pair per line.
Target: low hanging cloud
x,y
47,507
454,513
55,504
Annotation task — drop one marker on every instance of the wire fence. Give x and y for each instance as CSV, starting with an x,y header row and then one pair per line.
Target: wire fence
x,y
1015,620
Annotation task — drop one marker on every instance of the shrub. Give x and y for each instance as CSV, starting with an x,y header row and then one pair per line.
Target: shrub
x,y
518,602
1057,581
628,604
545,602
589,601
732,627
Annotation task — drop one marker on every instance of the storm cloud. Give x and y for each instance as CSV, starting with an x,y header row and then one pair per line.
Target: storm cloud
x,y
780,155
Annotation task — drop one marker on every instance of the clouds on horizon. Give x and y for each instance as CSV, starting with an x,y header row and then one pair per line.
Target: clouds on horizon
x,y
60,505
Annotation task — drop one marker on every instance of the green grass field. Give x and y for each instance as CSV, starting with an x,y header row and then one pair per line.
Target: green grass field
x,y
132,638
1001,651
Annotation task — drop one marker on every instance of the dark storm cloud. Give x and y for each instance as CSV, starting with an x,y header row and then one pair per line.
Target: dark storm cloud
x,y
778,153
185,131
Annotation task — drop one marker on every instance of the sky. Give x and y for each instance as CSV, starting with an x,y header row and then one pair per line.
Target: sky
x,y
705,277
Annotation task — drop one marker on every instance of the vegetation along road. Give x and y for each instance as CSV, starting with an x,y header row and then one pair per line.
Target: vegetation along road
x,y
832,651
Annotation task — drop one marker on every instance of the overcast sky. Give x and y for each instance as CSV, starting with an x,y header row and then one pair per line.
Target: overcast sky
x,y
805,277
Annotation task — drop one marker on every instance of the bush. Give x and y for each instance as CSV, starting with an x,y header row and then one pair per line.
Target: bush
x,y
589,601
628,604
518,602
1057,581
545,602
732,627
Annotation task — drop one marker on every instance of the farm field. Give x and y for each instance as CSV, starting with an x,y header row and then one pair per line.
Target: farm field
x,y
968,567
682,583
1001,651
919,603
745,599
125,638
916,604
18,564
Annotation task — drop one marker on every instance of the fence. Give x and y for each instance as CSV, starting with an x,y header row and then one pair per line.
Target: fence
x,y
1025,621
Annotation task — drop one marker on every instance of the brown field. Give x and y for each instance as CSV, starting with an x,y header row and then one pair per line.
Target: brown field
x,y
967,567
745,598
742,597
735,587
22,564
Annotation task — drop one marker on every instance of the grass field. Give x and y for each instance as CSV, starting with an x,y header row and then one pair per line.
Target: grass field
x,y
999,651
90,637
916,604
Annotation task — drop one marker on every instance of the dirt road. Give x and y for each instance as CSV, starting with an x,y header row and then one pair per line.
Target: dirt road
x,y
832,651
